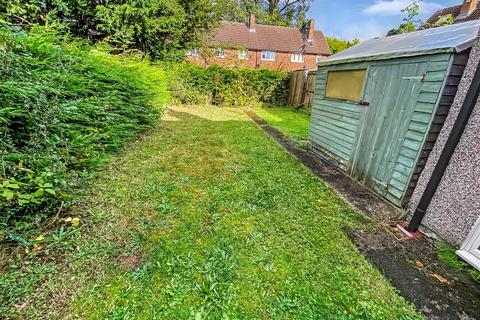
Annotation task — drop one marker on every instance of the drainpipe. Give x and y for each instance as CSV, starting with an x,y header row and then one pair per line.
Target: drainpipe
x,y
447,152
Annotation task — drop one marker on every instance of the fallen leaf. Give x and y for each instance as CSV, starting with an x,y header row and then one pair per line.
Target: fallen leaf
x,y
21,307
420,264
439,278
69,219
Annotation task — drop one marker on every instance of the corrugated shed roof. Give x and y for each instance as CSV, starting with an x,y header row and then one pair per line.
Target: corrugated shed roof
x,y
457,37
274,38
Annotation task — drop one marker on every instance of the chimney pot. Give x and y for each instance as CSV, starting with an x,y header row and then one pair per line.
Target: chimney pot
x,y
468,7
251,23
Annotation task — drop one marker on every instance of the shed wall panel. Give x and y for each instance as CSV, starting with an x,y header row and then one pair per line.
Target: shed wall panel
x,y
336,126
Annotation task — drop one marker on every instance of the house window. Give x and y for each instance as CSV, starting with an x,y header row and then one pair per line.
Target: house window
x,y
194,52
345,85
243,54
297,57
319,59
220,53
268,55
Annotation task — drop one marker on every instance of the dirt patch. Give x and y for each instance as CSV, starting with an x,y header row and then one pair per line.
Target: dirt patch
x,y
411,265
129,262
357,195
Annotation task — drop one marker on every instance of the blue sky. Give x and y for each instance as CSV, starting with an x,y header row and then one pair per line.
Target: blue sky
x,y
365,19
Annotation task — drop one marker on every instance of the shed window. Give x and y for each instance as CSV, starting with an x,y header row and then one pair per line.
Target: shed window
x,y
345,85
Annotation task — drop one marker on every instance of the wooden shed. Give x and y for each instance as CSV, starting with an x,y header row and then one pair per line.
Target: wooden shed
x,y
379,106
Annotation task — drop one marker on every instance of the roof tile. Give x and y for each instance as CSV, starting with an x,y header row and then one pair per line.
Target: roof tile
x,y
274,38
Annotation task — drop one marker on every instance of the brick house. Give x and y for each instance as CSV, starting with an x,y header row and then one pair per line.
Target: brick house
x,y
467,11
253,45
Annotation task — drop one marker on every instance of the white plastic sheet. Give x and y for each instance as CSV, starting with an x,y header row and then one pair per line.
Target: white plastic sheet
x,y
456,37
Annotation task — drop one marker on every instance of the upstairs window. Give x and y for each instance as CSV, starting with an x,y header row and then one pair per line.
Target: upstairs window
x,y
195,52
243,54
345,84
268,55
220,53
297,57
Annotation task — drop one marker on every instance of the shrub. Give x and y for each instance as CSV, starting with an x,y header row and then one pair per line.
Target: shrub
x,y
227,87
63,109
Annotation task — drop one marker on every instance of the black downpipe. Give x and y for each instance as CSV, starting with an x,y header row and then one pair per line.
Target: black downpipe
x,y
452,142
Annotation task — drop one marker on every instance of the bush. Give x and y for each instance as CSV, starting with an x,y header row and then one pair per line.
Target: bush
x,y
191,84
63,109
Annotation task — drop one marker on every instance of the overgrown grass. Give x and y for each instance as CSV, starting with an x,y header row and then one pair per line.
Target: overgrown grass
x,y
64,108
446,253
293,122
205,218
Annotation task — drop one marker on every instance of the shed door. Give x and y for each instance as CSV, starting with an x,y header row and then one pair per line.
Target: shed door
x,y
391,91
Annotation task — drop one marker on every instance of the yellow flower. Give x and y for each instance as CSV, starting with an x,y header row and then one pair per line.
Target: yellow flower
x,y
75,222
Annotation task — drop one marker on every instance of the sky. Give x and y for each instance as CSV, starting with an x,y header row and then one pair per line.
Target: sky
x,y
366,19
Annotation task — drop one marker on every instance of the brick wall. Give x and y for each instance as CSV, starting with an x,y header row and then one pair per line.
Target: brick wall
x,y
282,61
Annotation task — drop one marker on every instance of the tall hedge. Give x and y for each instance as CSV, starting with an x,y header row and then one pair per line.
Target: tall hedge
x,y
191,84
63,109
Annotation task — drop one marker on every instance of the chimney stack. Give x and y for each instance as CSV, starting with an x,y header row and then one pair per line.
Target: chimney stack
x,y
468,7
251,23
311,29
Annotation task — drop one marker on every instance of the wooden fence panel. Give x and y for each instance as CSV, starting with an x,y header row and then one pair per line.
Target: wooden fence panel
x,y
301,89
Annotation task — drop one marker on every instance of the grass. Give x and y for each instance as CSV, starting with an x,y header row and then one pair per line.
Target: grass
x,y
204,218
292,122
446,254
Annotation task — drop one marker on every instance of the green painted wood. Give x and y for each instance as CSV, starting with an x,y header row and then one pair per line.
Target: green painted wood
x,y
380,145
345,138
338,140
392,92
425,107
333,129
433,87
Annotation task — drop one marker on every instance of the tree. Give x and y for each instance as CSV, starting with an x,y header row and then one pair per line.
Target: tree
x,y
338,45
159,28
411,22
271,12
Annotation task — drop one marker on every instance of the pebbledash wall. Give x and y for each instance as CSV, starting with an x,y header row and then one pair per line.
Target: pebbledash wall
x,y
283,61
456,205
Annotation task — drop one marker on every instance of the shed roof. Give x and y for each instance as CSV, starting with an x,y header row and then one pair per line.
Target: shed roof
x,y
452,38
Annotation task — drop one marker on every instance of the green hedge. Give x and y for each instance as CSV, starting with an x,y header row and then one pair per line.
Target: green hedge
x,y
191,84
63,109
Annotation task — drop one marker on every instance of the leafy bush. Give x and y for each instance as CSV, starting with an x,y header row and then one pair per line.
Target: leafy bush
x,y
227,87
63,109
160,28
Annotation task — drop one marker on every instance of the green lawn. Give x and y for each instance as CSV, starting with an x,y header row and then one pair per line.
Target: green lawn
x,y
205,218
292,122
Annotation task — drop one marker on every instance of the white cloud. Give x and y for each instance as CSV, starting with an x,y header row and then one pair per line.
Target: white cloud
x,y
364,30
394,7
